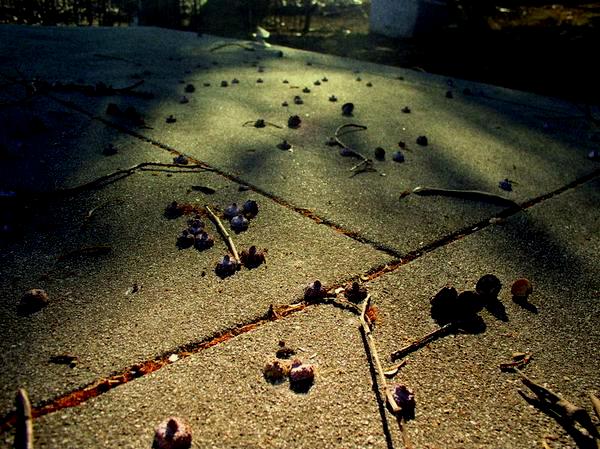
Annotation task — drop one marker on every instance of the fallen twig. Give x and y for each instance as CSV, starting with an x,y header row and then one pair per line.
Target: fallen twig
x,y
595,404
374,357
476,195
417,344
558,406
225,234
364,160
120,174
24,430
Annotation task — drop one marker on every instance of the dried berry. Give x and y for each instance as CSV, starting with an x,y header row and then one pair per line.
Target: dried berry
x,y
317,83
324,79
170,119
250,208
224,83
505,184
181,159
314,291
294,121
284,145
306,90
406,110
184,100
488,286
449,94
208,84
333,98
190,88
347,109
398,156
259,80
443,305
521,289
239,223
355,292
404,398
276,371
185,240
422,140
358,78
285,104
231,211
260,123
235,81
252,258
285,82
226,267
173,433
203,241
346,152
33,301
298,100
302,375
369,84
379,154
402,144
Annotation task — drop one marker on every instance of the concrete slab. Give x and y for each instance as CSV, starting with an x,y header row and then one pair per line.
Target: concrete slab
x,y
222,393
181,299
475,140
463,399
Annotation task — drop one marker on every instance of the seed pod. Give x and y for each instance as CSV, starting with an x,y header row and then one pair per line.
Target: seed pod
x,y
173,433
405,398
33,301
355,292
521,289
250,208
226,267
488,286
276,370
347,109
314,291
239,223
231,211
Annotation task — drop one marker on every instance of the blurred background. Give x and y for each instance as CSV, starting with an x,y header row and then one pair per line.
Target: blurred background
x,y
533,45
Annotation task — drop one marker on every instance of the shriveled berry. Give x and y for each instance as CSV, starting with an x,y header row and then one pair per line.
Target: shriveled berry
x,y
294,121
250,208
488,286
398,156
505,184
314,291
379,154
422,140
231,211
239,223
226,267
347,109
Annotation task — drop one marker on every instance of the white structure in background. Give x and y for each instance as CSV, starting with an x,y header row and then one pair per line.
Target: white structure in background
x,y
405,18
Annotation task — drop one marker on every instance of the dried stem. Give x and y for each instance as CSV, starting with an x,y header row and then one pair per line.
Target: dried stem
x,y
364,160
24,431
417,344
224,233
560,407
119,173
595,404
374,356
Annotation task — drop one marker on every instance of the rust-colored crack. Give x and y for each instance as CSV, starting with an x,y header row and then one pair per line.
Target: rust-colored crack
x,y
100,386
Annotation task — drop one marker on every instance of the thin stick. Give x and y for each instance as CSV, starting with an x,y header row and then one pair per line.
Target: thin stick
x,y
224,233
374,356
122,172
364,160
24,431
559,406
417,344
595,404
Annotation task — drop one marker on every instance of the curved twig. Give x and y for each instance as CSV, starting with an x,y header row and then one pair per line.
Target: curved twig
x,y
364,160
476,195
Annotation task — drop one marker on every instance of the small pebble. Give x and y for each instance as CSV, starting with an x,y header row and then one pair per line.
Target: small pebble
x,y
34,300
